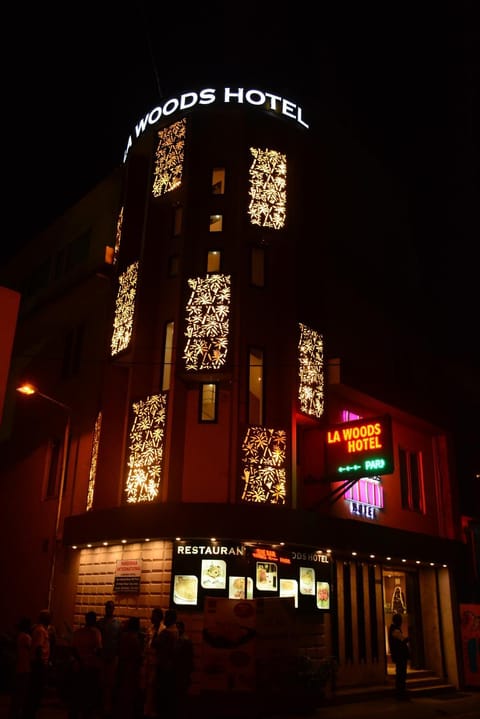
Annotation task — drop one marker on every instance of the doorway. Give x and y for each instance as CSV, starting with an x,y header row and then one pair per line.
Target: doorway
x,y
401,594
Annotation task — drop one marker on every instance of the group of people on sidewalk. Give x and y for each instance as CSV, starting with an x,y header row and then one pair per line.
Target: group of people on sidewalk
x,y
34,646
110,669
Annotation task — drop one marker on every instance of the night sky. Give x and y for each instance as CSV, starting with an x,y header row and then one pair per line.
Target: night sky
x,y
402,78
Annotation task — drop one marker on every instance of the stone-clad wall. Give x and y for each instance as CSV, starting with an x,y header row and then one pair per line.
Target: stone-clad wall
x,y
97,574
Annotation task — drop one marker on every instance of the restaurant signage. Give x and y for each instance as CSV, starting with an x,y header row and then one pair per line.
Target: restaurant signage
x,y
362,448
241,572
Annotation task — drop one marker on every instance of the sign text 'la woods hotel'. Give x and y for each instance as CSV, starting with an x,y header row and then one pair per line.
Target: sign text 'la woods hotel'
x,y
208,96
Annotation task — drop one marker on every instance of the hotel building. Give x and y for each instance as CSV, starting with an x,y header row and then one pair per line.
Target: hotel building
x,y
190,442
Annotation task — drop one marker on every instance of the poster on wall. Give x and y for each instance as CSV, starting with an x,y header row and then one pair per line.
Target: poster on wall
x,y
266,573
214,574
185,589
323,595
307,580
470,631
127,576
289,588
236,587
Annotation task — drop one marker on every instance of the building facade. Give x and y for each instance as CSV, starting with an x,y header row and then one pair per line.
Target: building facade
x,y
191,443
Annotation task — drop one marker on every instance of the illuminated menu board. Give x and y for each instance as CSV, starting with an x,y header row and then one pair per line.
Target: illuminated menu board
x,y
238,571
362,448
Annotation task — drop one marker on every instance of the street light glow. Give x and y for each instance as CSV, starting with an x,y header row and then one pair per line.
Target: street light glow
x,y
27,389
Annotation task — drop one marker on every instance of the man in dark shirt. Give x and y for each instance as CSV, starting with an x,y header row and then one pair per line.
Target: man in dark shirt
x,y
400,655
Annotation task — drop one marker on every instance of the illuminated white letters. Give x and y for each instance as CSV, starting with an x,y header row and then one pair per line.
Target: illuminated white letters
x,y
207,96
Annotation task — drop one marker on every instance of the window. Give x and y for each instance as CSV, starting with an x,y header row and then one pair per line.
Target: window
x,y
213,261
255,387
411,480
218,181
216,223
167,356
177,220
208,402
257,266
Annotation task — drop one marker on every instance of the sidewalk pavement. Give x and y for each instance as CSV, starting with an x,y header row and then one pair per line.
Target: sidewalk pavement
x,y
459,705
456,705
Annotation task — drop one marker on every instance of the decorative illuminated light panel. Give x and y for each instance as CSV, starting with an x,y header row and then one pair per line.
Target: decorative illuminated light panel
x,y
118,236
310,359
124,309
263,466
93,461
207,317
146,449
169,158
268,188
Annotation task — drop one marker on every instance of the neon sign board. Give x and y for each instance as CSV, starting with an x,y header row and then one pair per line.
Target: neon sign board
x,y
270,555
362,448
209,96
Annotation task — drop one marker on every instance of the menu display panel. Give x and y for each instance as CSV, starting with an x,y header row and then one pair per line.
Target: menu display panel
x,y
203,568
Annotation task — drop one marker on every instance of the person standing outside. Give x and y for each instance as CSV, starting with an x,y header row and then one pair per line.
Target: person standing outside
x,y
110,628
184,668
39,664
167,644
86,647
400,654
21,680
150,663
129,696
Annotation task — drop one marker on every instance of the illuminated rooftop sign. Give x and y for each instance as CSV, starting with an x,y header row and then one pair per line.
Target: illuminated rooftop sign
x,y
210,96
359,449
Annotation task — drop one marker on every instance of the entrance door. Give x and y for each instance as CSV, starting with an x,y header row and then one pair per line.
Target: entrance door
x,y
401,595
